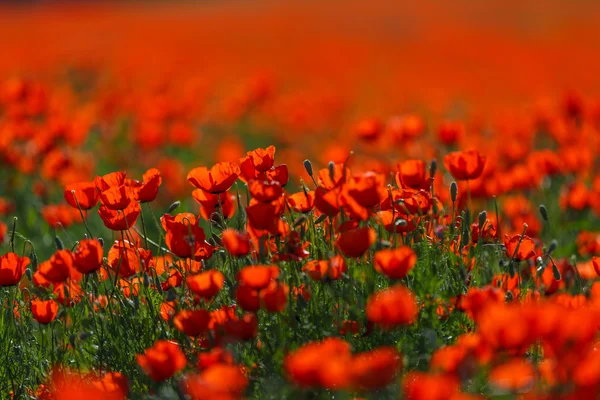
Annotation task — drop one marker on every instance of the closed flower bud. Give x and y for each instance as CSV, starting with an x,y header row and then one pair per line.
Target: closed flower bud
x,y
453,191
482,218
432,168
553,246
308,167
544,212
174,206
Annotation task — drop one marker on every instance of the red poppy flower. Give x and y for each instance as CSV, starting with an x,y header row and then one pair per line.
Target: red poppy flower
x,y
114,179
247,298
265,191
219,381
368,190
263,216
12,268
258,276
44,311
392,307
355,242
185,238
206,284
148,190
335,177
465,165
87,256
216,180
375,369
125,259
420,385
395,263
321,269
513,376
59,214
320,364
274,297
60,267
302,202
192,322
162,361
120,220
214,203
412,173
278,174
519,247
117,197
259,160
236,243
83,192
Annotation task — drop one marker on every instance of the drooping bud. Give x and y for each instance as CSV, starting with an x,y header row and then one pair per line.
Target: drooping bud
x,y
173,206
453,191
556,272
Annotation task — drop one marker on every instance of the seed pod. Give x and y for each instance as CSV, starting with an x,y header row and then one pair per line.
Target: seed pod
x,y
453,191
544,212
308,167
174,206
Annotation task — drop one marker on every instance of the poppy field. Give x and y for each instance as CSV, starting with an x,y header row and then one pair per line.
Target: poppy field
x,y
303,201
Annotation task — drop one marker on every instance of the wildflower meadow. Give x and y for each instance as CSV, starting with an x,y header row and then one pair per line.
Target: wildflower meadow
x,y
235,200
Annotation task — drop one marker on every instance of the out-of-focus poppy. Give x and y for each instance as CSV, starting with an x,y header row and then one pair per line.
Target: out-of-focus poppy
x,y
83,192
44,311
120,220
12,268
258,276
375,369
322,269
236,243
162,361
320,364
216,180
513,376
519,247
206,284
465,165
423,386
192,322
274,297
412,173
395,263
355,242
450,132
220,381
87,256
392,307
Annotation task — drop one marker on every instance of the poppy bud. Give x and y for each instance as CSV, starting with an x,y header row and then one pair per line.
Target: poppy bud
x,y
101,241
320,219
482,218
453,191
432,168
331,167
544,212
308,167
146,280
174,206
553,246
59,243
555,272
401,223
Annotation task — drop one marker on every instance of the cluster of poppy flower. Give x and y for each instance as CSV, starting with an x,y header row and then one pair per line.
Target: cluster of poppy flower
x,y
264,252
